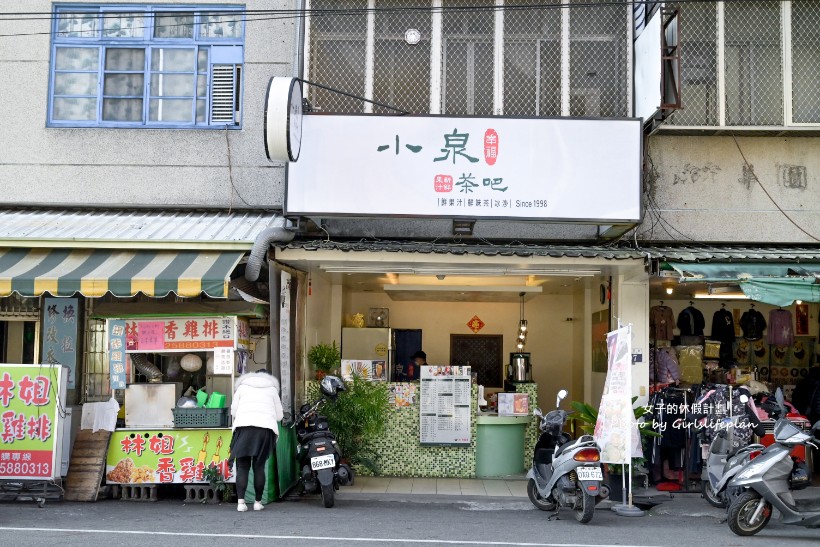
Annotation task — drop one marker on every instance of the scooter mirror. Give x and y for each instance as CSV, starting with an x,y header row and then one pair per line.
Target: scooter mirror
x,y
561,396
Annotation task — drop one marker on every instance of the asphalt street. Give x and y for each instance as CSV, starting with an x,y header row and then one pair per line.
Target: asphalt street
x,y
361,519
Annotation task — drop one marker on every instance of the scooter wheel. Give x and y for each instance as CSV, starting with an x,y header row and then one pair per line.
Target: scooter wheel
x,y
538,501
742,510
328,495
715,500
585,507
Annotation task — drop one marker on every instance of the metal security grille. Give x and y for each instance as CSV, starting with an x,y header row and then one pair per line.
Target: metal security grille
x,y
421,57
401,72
699,92
482,352
337,54
805,62
468,58
97,384
598,59
532,60
753,65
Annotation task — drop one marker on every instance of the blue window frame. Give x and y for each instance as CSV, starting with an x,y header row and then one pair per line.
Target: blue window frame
x,y
151,65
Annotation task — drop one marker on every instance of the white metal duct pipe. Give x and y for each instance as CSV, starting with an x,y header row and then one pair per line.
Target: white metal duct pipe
x,y
276,233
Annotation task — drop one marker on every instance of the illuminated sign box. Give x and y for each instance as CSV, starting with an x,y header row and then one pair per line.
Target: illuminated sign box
x,y
561,170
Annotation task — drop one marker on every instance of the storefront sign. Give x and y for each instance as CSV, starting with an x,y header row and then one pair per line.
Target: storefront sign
x,y
445,406
29,411
60,334
185,334
616,426
539,169
116,353
166,456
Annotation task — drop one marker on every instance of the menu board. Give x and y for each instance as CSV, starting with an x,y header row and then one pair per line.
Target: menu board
x,y
445,406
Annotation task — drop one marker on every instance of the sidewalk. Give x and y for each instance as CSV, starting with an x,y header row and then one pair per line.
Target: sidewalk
x,y
500,488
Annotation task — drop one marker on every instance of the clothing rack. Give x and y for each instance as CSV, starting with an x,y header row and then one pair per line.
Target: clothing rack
x,y
688,397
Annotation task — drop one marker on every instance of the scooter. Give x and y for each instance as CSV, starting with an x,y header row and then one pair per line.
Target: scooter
x,y
318,452
726,456
768,481
564,473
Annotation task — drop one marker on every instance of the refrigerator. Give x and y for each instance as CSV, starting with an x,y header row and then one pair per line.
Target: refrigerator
x,y
368,344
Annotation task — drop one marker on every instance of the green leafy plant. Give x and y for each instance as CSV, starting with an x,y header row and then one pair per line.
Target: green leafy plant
x,y
358,417
214,476
588,416
325,357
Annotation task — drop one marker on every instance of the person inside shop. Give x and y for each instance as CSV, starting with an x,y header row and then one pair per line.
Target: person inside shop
x,y
417,360
256,410
806,396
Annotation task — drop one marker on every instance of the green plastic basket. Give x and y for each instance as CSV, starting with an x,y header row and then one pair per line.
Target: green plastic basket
x,y
201,417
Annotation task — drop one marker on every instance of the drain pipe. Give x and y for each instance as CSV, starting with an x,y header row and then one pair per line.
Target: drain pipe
x,y
276,233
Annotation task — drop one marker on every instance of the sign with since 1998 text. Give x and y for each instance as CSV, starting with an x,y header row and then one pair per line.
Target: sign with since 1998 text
x,y
568,169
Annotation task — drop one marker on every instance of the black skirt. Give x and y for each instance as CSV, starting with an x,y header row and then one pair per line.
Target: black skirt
x,y
252,442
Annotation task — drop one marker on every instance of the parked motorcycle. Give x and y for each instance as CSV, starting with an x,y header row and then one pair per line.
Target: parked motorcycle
x,y
564,473
318,453
768,481
727,454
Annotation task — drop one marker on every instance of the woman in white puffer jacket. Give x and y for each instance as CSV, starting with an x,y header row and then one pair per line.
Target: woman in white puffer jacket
x,y
256,410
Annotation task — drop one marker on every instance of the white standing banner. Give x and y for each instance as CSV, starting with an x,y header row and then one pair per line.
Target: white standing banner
x,y
284,340
616,425
564,169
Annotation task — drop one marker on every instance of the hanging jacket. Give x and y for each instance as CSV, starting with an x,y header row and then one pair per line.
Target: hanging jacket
x,y
661,323
780,332
691,322
723,326
753,324
665,369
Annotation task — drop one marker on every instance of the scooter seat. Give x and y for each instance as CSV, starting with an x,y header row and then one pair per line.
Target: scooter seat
x,y
561,448
543,455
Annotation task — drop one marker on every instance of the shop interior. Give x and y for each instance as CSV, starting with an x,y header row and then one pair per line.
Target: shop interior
x,y
458,306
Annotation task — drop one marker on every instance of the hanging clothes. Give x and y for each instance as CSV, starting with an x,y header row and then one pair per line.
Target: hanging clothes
x,y
780,331
723,330
753,324
661,323
691,322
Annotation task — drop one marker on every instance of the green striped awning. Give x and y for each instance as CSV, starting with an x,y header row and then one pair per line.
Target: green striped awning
x,y
94,272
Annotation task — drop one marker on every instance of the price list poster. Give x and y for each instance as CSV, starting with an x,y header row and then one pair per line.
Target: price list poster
x,y
445,406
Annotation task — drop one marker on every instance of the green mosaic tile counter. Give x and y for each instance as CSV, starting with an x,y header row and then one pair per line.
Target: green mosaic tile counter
x,y
531,435
401,455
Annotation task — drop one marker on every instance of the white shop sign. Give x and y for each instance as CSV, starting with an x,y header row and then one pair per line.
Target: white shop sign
x,y
539,169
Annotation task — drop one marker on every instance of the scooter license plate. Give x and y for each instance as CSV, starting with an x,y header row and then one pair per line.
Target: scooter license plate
x,y
589,474
322,462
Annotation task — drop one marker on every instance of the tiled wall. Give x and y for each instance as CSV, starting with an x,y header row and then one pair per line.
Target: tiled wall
x,y
531,434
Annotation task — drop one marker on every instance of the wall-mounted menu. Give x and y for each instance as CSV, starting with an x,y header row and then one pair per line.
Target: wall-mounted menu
x,y
445,406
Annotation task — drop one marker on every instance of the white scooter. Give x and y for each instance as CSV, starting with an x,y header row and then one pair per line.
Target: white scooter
x,y
726,456
767,482
564,473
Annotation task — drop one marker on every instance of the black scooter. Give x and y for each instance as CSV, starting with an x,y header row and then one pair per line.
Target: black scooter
x,y
318,453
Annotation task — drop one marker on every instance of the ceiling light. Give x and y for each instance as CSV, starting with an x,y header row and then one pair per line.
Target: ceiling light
x,y
798,302
725,296
670,290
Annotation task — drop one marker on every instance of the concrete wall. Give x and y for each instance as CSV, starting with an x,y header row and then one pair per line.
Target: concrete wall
x,y
122,167
704,188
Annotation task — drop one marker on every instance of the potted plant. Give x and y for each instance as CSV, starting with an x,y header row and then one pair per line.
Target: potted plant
x,y
358,417
324,358
588,416
221,488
